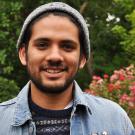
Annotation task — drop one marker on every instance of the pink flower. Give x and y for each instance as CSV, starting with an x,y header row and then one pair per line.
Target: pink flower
x,y
96,77
106,76
130,77
132,88
114,77
111,87
121,77
124,98
117,86
100,81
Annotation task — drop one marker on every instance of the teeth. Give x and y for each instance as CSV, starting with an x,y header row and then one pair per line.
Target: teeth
x,y
53,71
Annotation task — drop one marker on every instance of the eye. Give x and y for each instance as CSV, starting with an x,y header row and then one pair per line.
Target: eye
x,y
68,47
42,45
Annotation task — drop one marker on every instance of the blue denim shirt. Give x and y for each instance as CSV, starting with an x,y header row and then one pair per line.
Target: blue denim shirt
x,y
134,132
91,115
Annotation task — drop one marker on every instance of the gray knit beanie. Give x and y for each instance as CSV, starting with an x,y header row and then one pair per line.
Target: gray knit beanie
x,y
61,7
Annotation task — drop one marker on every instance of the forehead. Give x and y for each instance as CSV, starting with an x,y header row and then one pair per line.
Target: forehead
x,y
55,20
55,28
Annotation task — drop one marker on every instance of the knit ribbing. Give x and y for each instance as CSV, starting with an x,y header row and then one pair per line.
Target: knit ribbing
x,y
50,122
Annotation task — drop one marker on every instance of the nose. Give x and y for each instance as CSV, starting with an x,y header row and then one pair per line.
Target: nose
x,y
54,54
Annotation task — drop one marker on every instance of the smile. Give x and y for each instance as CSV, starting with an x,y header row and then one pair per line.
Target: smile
x,y
53,71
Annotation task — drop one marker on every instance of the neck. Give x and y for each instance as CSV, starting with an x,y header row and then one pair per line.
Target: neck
x,y
51,101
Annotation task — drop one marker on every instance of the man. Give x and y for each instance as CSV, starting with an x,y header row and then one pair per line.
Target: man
x,y
54,45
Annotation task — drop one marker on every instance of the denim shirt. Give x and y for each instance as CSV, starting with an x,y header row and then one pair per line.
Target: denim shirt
x,y
134,132
91,115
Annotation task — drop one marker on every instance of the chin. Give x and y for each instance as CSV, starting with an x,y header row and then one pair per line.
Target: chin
x,y
56,89
52,87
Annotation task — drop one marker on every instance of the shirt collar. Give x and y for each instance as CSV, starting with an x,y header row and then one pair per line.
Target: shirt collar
x,y
22,112
79,98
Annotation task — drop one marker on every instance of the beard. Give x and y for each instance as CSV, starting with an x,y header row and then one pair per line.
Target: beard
x,y
51,89
47,89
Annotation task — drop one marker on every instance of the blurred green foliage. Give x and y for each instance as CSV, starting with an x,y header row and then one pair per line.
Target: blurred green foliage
x,y
8,89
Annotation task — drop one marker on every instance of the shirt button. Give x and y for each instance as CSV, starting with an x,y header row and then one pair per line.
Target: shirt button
x,y
30,130
104,133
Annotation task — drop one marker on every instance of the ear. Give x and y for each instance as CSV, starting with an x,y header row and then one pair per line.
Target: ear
x,y
82,61
22,56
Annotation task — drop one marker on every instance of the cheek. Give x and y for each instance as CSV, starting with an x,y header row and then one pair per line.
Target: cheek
x,y
73,62
33,62
34,56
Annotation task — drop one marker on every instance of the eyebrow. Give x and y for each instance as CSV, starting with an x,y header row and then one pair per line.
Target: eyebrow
x,y
62,41
69,41
42,39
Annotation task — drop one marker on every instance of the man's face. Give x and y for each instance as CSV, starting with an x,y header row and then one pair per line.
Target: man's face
x,y
53,54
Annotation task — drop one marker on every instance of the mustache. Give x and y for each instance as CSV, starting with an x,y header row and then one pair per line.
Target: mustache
x,y
54,65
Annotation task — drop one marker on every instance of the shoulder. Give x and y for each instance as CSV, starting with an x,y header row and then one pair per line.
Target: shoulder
x,y
106,110
7,104
7,110
103,105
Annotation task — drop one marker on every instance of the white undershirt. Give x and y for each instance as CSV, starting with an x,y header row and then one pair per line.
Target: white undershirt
x,y
69,105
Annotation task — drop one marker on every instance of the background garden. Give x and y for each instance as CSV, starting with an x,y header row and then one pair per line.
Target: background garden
x,y
109,73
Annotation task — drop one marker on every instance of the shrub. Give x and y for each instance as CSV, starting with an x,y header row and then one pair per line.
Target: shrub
x,y
8,89
119,87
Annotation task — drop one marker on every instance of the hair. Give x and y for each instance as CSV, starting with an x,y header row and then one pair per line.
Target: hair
x,y
28,32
